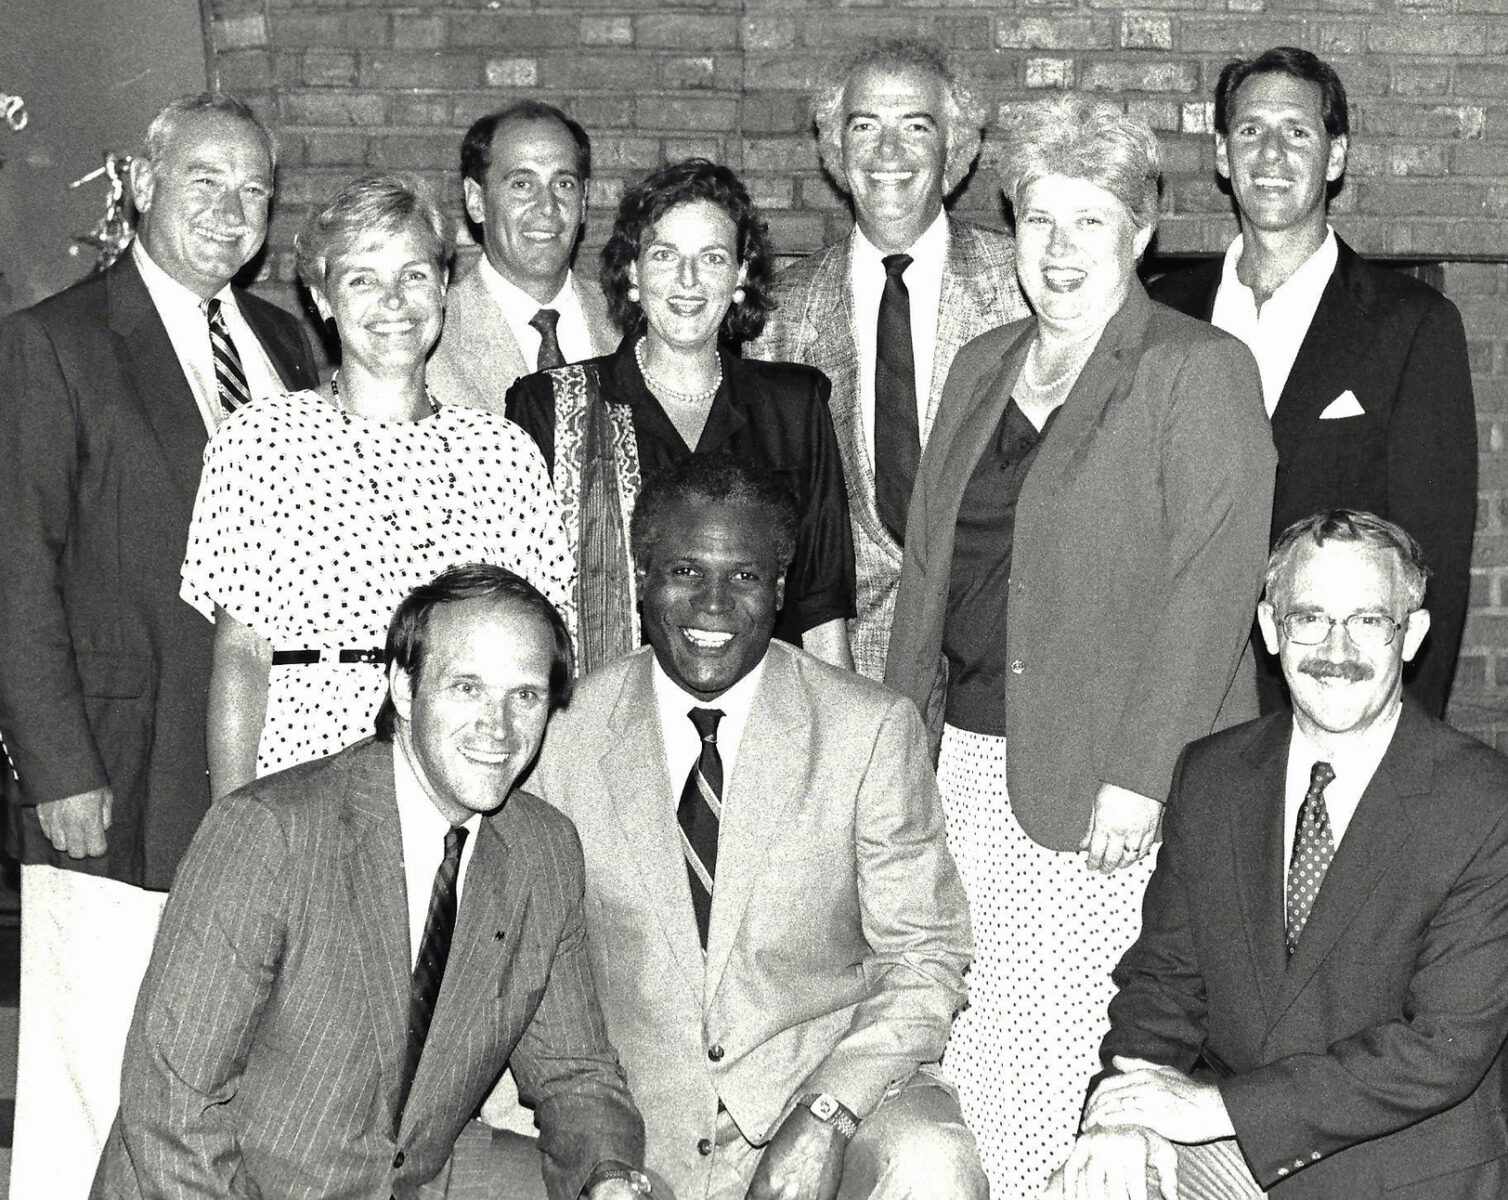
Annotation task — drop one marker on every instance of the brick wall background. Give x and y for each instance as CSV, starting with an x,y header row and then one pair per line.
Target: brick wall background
x,y
386,83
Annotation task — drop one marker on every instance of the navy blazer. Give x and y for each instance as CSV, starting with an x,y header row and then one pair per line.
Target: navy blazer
x,y
1399,346
1372,1062
104,671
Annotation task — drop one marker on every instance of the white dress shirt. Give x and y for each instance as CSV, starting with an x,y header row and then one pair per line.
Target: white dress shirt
x,y
923,280
1275,333
422,829
519,308
1354,767
683,745
186,319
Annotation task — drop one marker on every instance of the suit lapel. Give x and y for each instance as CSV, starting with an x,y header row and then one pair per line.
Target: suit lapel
x,y
158,383
964,311
489,356
282,346
1256,829
599,323
773,758
1378,831
1332,355
638,783
373,864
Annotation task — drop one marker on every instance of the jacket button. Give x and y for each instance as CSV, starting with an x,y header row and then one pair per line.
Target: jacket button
x,y
398,1160
1017,666
1282,1171
1315,1157
715,1052
704,1147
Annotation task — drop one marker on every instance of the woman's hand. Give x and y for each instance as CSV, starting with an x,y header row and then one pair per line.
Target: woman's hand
x,y
1122,828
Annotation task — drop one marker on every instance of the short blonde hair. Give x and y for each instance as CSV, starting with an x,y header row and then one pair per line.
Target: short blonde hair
x,y
962,110
370,204
1083,138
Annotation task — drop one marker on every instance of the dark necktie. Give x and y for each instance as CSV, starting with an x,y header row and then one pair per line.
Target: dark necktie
x,y
429,970
897,436
1313,848
700,811
230,378
545,321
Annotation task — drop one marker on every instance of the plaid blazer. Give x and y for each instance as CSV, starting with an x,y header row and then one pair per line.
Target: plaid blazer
x,y
813,324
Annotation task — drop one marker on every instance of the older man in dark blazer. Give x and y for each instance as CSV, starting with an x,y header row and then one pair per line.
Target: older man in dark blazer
x,y
108,393
1364,370
1318,1001
355,947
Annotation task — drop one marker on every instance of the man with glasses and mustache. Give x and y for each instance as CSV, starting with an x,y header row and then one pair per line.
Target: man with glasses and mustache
x,y
1318,1001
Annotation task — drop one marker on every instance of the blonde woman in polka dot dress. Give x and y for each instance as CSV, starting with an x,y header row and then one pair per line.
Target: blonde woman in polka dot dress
x,y
318,511
1084,551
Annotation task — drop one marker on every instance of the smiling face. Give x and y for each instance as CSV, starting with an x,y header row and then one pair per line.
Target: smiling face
x,y
386,294
204,201
473,720
1076,251
1339,687
531,205
710,592
895,151
687,273
1277,155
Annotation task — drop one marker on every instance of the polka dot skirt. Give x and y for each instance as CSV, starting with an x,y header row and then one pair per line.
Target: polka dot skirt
x,y
310,526
1047,933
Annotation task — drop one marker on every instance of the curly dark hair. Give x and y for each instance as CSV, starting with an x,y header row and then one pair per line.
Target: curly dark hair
x,y
1296,63
644,205
716,478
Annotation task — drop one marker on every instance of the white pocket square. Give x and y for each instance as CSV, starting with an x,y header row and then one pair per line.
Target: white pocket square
x,y
1344,405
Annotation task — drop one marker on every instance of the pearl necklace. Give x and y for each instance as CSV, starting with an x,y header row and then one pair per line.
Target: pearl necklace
x,y
664,391
1069,373
434,405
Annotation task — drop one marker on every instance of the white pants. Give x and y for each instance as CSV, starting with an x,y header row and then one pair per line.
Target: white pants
x,y
85,945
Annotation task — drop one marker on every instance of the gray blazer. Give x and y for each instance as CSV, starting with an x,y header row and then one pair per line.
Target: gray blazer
x,y
1140,541
266,1052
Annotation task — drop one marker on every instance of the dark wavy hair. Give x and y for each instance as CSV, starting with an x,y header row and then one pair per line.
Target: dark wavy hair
x,y
714,478
1292,61
476,146
408,632
669,187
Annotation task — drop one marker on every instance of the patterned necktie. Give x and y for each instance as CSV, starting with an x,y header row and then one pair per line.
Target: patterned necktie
x,y
230,378
700,811
429,970
545,321
897,436
1313,848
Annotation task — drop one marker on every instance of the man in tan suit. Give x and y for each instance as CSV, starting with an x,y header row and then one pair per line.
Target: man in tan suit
x,y
898,131
779,944
525,170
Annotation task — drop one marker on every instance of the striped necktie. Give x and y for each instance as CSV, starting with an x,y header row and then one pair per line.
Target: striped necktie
x,y
1313,848
230,378
434,951
699,814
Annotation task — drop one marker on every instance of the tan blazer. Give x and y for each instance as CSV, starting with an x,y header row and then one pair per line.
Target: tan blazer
x,y
839,931
477,357
813,324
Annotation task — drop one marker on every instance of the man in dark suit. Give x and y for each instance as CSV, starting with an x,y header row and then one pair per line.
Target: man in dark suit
x,y
355,947
1318,1000
108,393
780,954
1364,370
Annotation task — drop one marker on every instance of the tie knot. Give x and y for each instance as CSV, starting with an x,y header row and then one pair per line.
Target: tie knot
x,y
212,310
896,264
705,720
545,320
455,842
1320,776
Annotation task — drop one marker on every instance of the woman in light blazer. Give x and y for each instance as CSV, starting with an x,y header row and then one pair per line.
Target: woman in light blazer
x,y
1084,552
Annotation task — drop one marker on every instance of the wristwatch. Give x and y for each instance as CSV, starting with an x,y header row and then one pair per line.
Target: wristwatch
x,y
636,1179
829,1110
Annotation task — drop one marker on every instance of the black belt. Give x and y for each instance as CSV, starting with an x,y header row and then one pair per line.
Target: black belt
x,y
303,658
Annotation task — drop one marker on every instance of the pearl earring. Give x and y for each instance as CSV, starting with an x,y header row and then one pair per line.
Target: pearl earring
x,y
633,293
738,295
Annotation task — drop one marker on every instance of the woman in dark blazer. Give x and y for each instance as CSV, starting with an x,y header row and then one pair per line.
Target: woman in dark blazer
x,y
1084,552
686,273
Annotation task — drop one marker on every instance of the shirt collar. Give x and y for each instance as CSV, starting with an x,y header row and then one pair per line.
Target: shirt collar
x,y
929,249
1311,276
735,703
517,305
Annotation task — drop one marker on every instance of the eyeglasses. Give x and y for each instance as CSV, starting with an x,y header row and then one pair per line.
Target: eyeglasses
x,y
1370,631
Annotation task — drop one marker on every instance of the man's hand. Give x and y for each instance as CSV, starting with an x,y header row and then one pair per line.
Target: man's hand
x,y
804,1161
1121,830
1111,1164
1163,1099
76,825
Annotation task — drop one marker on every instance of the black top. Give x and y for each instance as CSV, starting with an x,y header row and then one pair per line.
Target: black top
x,y
974,630
774,413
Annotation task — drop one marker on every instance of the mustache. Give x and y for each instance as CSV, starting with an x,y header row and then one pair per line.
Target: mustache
x,y
1347,669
